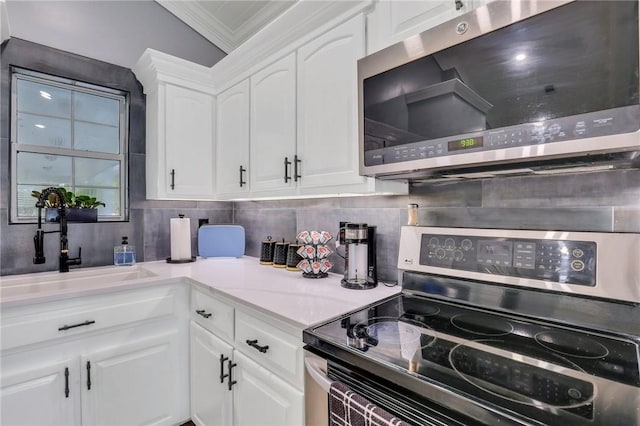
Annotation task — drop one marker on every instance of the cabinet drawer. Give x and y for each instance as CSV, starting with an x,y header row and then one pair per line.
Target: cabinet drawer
x,y
58,320
212,314
271,347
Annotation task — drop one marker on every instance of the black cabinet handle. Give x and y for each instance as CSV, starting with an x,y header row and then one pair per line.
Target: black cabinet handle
x,y
173,178
287,163
459,4
231,382
296,172
88,375
242,181
254,344
222,361
82,324
66,382
203,313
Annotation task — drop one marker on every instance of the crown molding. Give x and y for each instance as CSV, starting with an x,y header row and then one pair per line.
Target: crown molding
x,y
195,15
298,25
155,67
198,18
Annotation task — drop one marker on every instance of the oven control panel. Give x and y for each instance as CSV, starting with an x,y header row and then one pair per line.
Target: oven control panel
x,y
561,261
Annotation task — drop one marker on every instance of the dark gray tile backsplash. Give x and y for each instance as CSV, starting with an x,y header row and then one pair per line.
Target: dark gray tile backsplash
x,y
597,201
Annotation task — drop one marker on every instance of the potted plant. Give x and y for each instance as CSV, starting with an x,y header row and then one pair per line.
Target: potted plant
x,y
79,208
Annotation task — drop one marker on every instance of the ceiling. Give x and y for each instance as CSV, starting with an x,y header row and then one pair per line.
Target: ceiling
x,y
226,23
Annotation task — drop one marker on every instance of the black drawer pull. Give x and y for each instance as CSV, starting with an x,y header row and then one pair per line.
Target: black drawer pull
x,y
88,375
296,173
66,382
242,181
203,313
231,381
287,163
173,178
222,361
254,344
82,324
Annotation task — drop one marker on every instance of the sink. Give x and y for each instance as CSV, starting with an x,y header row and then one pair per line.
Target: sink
x,y
48,282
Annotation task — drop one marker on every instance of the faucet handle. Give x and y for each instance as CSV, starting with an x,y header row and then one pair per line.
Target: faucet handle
x,y
38,242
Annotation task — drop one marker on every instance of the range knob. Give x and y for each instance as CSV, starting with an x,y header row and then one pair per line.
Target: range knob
x,y
457,255
440,253
466,244
433,242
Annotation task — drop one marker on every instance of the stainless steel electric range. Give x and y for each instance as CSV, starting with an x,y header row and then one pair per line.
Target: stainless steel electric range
x,y
506,327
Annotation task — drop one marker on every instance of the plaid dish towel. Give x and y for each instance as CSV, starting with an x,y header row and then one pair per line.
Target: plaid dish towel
x,y
347,408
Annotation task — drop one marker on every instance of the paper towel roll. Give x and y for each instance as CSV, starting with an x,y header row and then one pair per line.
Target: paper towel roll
x,y
180,238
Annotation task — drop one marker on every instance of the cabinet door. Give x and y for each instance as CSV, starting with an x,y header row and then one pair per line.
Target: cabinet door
x,y
132,384
189,143
327,106
273,127
44,395
261,398
393,21
232,140
211,400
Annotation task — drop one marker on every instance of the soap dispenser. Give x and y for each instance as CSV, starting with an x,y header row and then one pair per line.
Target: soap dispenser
x,y
124,254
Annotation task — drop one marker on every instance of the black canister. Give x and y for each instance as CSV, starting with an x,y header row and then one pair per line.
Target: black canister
x,y
267,251
293,258
280,254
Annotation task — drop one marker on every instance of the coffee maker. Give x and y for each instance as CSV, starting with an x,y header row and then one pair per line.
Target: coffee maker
x,y
359,241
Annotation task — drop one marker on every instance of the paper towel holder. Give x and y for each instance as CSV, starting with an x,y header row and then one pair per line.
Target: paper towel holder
x,y
185,260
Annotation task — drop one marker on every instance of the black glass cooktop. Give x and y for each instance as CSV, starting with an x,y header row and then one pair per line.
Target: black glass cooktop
x,y
496,357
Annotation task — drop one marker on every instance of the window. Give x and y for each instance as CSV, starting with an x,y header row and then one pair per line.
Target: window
x,y
67,134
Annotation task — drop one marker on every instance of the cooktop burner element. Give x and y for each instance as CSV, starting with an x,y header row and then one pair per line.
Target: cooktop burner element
x,y
571,345
483,325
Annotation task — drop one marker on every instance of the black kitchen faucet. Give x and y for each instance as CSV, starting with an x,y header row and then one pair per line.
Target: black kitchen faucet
x,y
38,239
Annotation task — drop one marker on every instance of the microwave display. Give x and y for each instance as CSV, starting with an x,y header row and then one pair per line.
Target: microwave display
x,y
466,143
569,73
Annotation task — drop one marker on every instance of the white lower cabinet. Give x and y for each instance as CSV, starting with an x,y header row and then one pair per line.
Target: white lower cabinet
x,y
88,373
243,382
130,384
211,400
45,386
261,398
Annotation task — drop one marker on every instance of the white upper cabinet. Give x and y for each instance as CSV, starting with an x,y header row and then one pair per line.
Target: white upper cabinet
x,y
232,141
180,122
393,21
327,106
188,143
273,126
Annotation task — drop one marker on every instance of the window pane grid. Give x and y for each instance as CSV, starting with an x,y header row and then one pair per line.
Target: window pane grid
x,y
95,144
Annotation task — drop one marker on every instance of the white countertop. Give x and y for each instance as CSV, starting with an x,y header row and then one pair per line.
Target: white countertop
x,y
299,301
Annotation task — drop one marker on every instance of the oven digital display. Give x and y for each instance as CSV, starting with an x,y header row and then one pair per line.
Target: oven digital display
x,y
494,252
466,143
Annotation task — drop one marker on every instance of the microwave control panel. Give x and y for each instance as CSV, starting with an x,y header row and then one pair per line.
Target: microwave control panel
x,y
560,261
601,123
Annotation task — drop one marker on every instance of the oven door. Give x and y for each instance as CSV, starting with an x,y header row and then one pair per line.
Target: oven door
x,y
393,397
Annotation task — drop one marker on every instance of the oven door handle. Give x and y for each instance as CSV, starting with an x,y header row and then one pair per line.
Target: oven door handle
x,y
317,373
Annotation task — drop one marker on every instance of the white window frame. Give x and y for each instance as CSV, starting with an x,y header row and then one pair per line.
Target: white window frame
x,y
76,86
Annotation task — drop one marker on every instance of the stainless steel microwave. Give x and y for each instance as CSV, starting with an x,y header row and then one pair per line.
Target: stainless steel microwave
x,y
510,87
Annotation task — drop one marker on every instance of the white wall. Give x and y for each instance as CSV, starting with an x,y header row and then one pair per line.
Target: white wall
x,y
112,31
